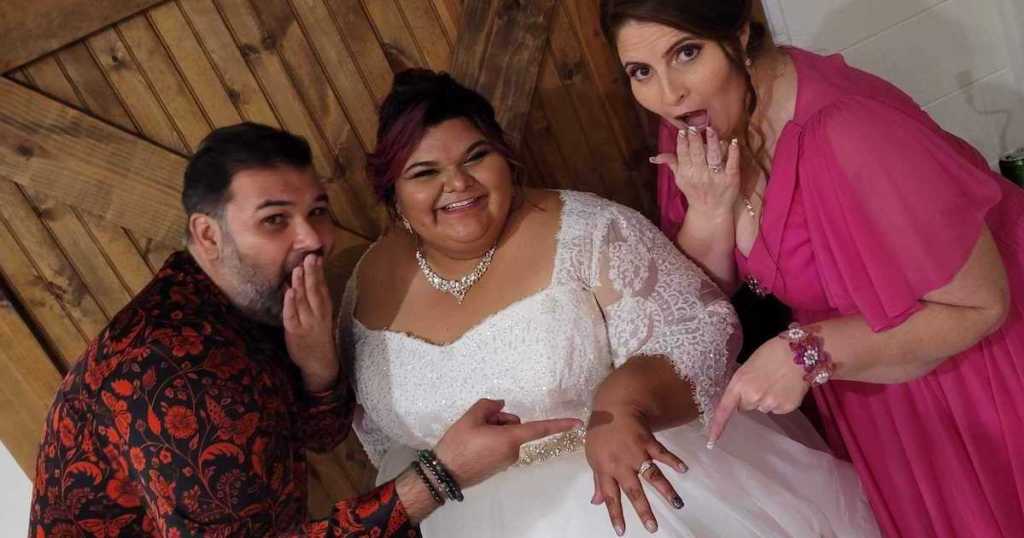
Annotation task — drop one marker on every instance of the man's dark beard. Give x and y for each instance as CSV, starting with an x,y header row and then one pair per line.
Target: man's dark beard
x,y
257,298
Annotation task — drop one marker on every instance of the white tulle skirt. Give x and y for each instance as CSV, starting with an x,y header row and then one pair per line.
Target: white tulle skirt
x,y
757,481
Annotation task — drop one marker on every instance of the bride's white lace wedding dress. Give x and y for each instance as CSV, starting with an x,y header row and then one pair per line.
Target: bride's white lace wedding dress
x,y
545,355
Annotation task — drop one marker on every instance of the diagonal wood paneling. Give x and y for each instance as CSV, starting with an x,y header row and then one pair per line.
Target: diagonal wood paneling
x,y
287,42
117,246
395,35
70,156
361,39
425,26
33,28
58,263
498,53
45,282
343,74
30,381
89,242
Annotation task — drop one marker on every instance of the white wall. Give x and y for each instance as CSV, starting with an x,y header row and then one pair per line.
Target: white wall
x,y
15,496
962,60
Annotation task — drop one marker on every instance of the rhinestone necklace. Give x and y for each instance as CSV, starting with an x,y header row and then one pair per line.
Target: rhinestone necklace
x,y
458,287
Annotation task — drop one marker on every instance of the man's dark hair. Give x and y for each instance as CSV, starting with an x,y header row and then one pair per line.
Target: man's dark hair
x,y
229,150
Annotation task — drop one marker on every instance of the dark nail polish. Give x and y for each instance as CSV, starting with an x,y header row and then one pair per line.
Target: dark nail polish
x,y
677,503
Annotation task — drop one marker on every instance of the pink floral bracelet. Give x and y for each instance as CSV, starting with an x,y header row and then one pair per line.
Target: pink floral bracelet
x,y
809,353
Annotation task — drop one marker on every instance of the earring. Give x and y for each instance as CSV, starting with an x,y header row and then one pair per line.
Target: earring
x,y
748,62
405,224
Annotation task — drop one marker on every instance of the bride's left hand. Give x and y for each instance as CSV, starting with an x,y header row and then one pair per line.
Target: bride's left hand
x,y
768,382
618,441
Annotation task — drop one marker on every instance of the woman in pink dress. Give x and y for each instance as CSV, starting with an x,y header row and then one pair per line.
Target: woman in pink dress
x,y
897,248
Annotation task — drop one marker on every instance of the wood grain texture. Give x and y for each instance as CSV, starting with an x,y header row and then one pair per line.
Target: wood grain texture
x,y
33,28
70,156
498,53
30,381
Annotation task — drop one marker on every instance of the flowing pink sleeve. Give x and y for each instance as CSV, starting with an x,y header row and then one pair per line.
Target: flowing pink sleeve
x,y
894,206
671,203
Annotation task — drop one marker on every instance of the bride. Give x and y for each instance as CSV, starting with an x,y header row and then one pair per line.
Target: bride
x,y
562,304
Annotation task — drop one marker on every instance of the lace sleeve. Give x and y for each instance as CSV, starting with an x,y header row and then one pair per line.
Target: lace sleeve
x,y
659,303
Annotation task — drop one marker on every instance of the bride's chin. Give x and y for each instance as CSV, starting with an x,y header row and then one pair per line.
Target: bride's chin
x,y
466,240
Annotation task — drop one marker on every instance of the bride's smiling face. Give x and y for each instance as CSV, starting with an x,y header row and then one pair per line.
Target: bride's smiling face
x,y
455,190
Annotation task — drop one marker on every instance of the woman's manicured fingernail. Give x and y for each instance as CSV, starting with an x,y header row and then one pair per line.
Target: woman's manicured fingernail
x,y
692,130
619,531
710,445
734,142
682,133
682,468
651,526
652,160
677,503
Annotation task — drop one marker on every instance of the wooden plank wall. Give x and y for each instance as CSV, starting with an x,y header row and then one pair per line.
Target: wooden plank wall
x,y
318,68
34,28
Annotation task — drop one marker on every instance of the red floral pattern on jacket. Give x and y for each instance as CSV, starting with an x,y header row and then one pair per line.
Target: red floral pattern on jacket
x,y
184,418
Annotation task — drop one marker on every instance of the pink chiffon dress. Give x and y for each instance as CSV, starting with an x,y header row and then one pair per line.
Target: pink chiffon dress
x,y
869,206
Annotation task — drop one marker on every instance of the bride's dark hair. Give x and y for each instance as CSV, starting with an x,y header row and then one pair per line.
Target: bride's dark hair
x,y
421,99
721,21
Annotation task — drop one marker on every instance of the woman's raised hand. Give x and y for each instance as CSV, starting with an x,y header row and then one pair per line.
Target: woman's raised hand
x,y
708,173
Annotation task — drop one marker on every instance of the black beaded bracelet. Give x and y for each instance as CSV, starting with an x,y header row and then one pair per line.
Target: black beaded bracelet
x,y
430,461
430,485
